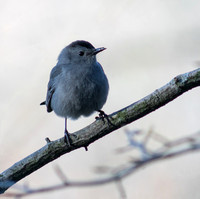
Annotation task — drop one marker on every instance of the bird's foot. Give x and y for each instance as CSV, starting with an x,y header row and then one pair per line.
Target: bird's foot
x,y
67,138
103,116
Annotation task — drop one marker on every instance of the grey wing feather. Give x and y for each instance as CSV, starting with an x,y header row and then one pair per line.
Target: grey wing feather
x,y
51,86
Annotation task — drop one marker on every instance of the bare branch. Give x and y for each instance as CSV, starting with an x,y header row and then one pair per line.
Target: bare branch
x,y
54,149
121,189
61,175
178,147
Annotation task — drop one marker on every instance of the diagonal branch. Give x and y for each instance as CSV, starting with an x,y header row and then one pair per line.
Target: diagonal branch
x,y
82,138
174,148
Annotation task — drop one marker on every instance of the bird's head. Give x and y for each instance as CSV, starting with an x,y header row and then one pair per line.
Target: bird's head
x,y
79,52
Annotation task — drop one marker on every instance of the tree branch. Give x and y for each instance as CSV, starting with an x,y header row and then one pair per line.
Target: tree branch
x,y
82,138
169,150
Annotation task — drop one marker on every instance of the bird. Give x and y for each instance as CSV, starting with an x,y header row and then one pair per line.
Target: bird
x,y
78,85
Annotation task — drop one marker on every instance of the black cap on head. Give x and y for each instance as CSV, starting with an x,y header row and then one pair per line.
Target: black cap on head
x,y
82,43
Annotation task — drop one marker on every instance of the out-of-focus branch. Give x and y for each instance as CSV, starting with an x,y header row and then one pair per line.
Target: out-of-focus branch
x,y
54,149
172,149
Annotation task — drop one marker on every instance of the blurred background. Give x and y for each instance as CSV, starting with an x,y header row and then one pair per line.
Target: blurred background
x,y
148,43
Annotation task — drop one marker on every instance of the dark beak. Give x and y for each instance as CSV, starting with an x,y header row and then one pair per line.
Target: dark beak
x,y
98,50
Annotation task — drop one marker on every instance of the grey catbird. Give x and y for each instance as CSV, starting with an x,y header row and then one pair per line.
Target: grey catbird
x,y
78,85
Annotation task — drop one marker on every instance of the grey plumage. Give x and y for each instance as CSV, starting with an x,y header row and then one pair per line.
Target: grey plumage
x,y
78,85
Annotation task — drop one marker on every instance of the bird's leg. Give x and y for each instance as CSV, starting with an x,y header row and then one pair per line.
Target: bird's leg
x,y
66,134
67,137
103,116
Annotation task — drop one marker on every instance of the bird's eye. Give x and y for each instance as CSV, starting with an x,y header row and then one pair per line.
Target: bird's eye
x,y
81,53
